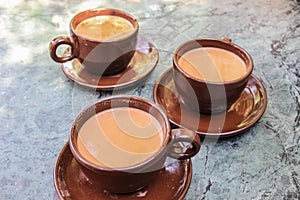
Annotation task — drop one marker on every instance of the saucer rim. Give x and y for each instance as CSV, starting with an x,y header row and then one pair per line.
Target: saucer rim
x,y
185,189
216,134
115,86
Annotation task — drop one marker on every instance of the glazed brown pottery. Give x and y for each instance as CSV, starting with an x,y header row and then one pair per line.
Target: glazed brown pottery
x,y
208,96
241,116
172,181
141,65
100,57
132,178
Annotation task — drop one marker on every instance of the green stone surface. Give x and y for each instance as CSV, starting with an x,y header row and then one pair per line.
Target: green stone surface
x,y
38,103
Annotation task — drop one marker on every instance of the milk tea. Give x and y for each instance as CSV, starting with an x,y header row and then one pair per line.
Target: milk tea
x,y
120,137
212,64
105,27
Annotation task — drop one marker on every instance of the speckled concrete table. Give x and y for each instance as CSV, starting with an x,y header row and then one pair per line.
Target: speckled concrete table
x,y
38,103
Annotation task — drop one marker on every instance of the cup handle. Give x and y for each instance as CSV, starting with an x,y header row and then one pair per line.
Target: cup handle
x,y
59,41
180,136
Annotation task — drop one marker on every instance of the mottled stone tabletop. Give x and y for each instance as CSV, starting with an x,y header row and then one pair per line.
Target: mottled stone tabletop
x,y
38,102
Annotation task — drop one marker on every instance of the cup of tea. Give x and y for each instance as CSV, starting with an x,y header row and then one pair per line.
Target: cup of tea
x,y
104,40
122,142
210,74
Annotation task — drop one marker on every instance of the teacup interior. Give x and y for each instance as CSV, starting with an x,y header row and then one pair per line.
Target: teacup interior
x,y
213,60
125,149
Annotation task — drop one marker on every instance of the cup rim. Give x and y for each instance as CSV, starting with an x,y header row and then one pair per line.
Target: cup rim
x,y
80,158
249,66
134,23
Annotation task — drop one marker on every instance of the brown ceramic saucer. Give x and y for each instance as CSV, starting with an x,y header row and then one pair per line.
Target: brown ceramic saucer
x,y
244,113
142,64
70,183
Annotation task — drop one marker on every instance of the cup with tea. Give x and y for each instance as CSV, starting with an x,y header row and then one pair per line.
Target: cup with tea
x,y
122,142
104,40
210,74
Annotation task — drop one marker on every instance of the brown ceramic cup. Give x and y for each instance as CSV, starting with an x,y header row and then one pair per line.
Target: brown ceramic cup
x,y
205,96
132,178
100,57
